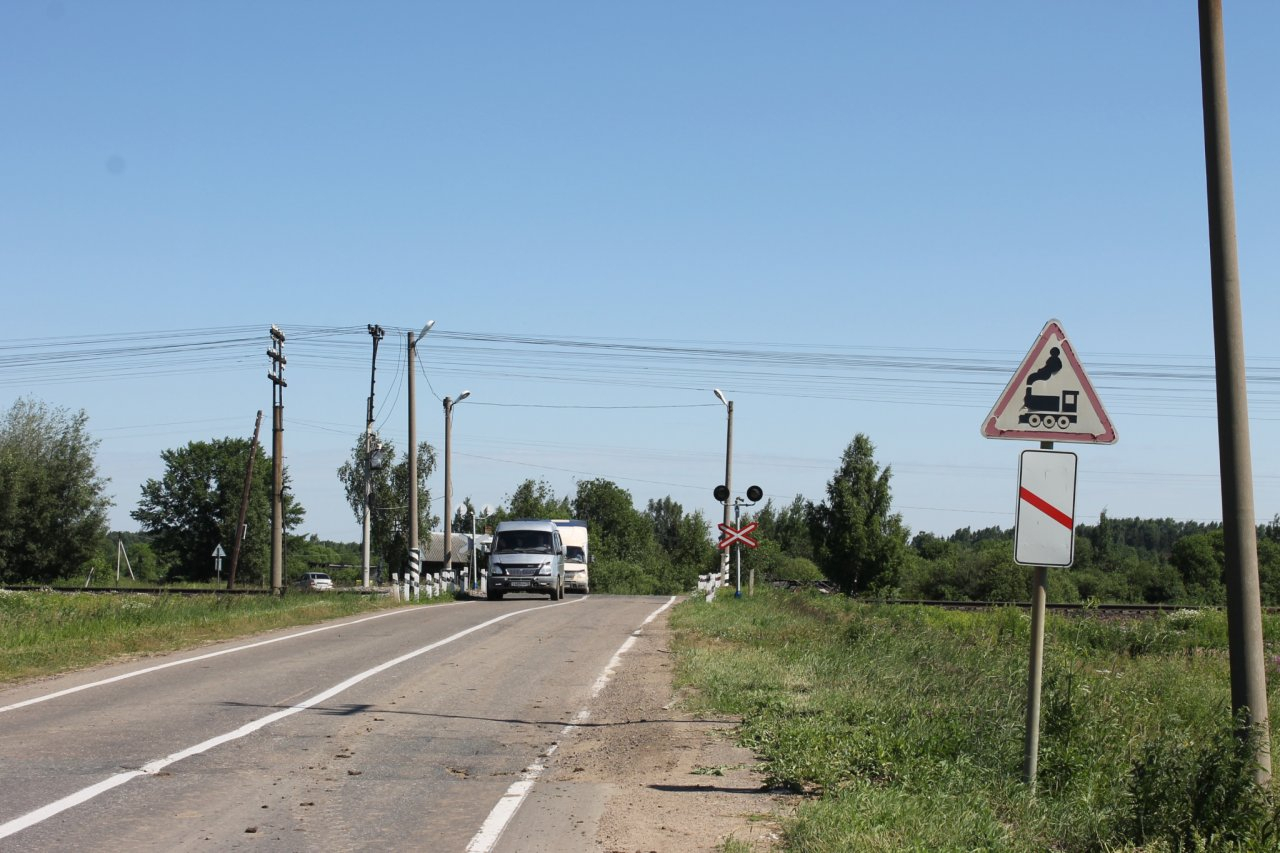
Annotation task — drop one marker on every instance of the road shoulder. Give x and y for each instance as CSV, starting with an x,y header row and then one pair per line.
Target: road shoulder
x,y
643,774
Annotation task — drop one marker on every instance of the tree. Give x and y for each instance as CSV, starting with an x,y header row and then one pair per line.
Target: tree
x,y
52,508
617,529
1201,562
859,543
628,556
389,499
536,500
683,536
787,527
194,507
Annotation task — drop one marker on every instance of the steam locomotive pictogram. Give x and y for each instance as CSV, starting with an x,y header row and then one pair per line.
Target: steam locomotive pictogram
x,y
1049,410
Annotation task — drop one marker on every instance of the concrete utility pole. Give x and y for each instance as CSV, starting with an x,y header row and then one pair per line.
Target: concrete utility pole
x,y
728,477
413,436
447,563
276,374
376,333
238,537
1239,523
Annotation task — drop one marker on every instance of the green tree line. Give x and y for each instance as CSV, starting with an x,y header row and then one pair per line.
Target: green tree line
x,y
53,527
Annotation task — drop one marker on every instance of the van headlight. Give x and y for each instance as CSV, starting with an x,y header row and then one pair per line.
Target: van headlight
x,y
545,570
496,570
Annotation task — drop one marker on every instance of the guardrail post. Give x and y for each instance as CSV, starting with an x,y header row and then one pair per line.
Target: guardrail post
x,y
415,566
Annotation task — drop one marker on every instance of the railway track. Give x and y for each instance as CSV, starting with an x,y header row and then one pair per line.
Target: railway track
x,y
1067,607
1076,607
140,590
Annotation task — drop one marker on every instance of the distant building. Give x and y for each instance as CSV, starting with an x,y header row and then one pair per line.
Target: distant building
x,y
433,552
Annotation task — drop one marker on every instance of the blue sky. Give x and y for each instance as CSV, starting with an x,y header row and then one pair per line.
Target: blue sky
x,y
851,217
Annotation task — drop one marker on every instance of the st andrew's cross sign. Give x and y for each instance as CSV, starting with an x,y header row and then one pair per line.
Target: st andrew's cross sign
x,y
743,536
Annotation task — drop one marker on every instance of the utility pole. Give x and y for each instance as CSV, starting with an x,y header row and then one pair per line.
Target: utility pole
x,y
413,438
1239,523
447,564
728,476
238,536
376,333
276,374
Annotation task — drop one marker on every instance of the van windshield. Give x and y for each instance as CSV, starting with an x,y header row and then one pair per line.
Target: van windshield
x,y
574,554
522,542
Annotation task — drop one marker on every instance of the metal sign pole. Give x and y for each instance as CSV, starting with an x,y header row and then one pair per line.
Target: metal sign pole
x,y
1039,593
737,549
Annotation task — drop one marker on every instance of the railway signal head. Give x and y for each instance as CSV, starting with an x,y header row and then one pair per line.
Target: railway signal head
x,y
721,493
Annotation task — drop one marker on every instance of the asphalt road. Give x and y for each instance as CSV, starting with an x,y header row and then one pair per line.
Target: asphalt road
x,y
419,728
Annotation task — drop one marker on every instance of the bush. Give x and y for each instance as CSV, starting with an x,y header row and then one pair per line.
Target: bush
x,y
1199,794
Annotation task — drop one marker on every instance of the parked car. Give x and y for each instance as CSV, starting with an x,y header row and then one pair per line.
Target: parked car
x,y
315,580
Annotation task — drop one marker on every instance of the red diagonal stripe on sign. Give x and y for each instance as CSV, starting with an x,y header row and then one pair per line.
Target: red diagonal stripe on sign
x,y
1046,507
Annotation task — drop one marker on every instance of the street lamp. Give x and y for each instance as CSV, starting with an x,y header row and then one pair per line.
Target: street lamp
x,y
447,564
728,475
413,438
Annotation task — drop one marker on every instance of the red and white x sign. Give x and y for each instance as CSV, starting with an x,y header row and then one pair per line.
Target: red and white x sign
x,y
731,536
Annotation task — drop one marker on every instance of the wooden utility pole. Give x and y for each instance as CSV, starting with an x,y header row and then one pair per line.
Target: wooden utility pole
x,y
240,531
276,374
376,333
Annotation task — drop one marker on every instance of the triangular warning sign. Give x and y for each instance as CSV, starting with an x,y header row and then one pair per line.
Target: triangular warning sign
x,y
1050,398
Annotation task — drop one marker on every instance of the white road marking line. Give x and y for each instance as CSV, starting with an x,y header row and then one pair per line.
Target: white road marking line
x,y
496,823
43,813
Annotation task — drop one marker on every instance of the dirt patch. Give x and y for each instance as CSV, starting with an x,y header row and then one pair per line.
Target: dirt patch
x,y
674,782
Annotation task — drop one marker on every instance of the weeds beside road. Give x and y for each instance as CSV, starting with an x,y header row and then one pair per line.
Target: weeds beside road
x,y
43,633
905,725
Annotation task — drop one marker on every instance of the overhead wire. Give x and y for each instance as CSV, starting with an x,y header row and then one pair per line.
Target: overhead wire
x,y
1167,385
1139,384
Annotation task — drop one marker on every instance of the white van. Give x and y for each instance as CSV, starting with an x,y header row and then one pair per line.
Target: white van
x,y
526,556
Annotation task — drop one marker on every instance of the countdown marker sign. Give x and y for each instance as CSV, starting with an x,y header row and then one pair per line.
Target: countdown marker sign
x,y
1044,524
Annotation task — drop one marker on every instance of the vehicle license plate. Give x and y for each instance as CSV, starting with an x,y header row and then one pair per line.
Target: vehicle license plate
x,y
520,583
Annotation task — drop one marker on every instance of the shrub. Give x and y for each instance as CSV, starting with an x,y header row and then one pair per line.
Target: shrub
x,y
1200,794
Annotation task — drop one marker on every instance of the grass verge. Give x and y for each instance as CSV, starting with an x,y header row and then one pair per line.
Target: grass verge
x,y
43,633
905,725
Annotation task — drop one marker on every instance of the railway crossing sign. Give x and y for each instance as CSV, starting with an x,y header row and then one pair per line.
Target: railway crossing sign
x,y
1044,524
731,536
1050,398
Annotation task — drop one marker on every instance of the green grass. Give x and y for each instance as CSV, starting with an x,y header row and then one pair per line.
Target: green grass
x,y
42,633
905,725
